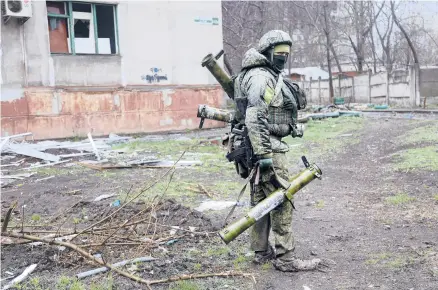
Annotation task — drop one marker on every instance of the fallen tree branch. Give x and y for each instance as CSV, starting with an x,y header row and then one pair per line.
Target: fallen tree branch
x,y
133,198
197,276
80,251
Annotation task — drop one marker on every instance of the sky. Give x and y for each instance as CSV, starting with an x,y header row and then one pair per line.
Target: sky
x,y
427,9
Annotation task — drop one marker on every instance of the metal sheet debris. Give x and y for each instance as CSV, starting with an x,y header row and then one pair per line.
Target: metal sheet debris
x,y
94,146
25,149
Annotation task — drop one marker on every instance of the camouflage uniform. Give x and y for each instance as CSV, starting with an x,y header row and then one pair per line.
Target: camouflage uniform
x,y
270,113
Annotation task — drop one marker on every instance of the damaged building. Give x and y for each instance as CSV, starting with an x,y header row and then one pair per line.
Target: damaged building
x,y
73,67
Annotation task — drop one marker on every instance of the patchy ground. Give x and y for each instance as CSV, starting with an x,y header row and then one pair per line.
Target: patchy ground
x,y
373,215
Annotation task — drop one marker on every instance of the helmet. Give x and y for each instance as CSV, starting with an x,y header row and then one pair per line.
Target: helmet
x,y
272,38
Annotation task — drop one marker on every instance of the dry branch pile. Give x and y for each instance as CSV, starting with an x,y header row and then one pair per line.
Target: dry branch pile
x,y
134,228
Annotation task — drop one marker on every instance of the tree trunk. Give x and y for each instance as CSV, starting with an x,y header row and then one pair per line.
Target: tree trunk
x,y
335,56
327,36
373,48
227,64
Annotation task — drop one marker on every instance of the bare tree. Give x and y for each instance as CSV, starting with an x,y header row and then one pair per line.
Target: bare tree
x,y
405,34
385,40
358,23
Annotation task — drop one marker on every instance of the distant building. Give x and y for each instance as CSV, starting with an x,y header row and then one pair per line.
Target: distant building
x,y
306,73
101,66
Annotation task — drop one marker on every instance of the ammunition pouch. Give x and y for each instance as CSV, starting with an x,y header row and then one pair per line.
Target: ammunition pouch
x,y
299,94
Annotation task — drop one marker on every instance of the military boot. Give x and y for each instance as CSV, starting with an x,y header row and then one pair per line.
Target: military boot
x,y
289,263
262,257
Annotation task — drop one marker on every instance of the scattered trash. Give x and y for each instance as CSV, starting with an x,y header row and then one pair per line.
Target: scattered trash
x,y
47,164
192,229
214,205
119,264
20,278
104,196
306,288
171,242
381,107
115,203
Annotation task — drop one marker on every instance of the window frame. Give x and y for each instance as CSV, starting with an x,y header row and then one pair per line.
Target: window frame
x,y
68,8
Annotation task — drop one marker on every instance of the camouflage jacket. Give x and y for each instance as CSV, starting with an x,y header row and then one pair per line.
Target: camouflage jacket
x,y
267,114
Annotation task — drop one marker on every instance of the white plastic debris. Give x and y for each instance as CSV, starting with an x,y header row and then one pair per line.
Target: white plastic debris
x,y
20,278
104,196
214,205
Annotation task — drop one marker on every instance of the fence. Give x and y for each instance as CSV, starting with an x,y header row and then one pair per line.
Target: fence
x,y
399,89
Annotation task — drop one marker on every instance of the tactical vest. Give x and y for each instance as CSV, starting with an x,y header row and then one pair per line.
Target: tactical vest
x,y
283,108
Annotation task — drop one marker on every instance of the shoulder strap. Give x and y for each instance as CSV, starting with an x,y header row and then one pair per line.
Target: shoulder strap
x,y
277,100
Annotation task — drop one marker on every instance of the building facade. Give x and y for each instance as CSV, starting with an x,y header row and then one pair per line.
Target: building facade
x,y
108,66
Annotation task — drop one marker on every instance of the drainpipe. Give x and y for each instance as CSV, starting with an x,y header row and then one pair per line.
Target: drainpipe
x,y
24,54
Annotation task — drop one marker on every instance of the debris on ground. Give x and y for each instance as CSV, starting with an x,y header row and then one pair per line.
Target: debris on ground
x,y
214,205
20,278
19,154
118,264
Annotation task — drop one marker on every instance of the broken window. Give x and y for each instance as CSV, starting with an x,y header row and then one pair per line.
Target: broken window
x,y
82,28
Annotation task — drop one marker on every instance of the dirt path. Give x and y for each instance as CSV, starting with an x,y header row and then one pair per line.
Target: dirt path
x,y
345,218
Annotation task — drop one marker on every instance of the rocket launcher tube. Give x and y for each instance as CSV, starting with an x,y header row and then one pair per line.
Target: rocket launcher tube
x,y
207,112
271,202
219,74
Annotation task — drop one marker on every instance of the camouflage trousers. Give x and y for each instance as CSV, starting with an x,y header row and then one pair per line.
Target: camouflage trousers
x,y
279,219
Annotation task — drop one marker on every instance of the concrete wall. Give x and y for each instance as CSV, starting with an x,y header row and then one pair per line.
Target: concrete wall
x,y
166,35
170,36
429,84
54,113
379,88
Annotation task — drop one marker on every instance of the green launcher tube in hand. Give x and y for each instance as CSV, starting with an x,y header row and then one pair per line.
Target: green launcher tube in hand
x,y
271,202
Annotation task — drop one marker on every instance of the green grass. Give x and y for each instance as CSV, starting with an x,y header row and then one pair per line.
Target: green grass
x,y
267,266
428,133
169,147
65,283
390,261
185,285
401,198
217,251
321,137
425,158
320,204
241,262
435,197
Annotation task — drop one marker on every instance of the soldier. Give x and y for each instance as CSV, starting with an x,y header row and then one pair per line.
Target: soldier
x,y
269,104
